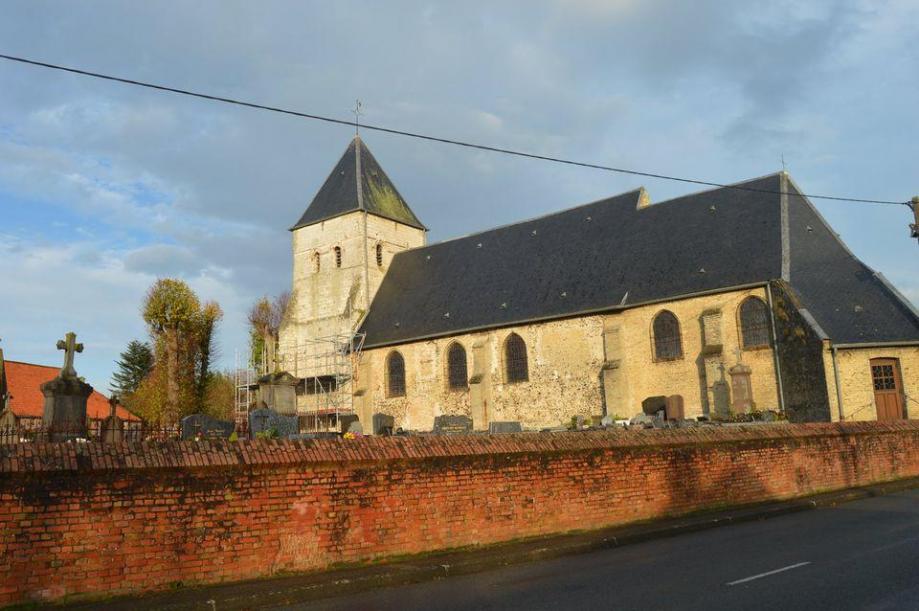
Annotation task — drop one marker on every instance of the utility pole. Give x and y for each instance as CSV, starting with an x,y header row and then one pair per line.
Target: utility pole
x,y
914,227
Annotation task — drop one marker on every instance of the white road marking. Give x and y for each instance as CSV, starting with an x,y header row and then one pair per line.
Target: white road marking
x,y
768,573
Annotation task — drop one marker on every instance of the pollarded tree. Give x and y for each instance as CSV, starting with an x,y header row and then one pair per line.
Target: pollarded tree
x,y
133,366
173,314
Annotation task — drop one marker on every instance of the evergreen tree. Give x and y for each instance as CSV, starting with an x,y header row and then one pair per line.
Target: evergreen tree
x,y
133,366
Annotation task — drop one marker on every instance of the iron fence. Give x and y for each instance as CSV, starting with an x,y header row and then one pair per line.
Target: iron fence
x,y
92,433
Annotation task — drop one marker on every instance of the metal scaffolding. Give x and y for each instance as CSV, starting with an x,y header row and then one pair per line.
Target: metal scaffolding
x,y
326,366
245,377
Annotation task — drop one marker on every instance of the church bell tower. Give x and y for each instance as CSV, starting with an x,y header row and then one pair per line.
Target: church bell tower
x,y
342,246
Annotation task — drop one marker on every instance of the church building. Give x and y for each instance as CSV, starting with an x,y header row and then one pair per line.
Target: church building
x,y
729,300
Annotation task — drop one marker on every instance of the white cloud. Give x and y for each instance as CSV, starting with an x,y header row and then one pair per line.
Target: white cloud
x,y
157,184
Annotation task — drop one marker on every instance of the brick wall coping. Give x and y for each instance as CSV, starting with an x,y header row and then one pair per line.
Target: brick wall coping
x,y
88,457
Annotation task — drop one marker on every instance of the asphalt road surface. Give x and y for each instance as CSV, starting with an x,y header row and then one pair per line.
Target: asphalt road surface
x,y
859,555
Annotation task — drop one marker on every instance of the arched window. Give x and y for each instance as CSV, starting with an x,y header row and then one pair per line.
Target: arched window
x,y
316,262
754,323
666,331
395,375
379,255
457,372
516,368
338,256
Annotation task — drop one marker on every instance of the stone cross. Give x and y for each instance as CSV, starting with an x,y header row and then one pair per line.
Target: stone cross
x,y
113,406
357,117
739,354
69,345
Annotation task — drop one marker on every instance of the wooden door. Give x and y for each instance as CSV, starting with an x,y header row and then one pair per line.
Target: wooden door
x,y
888,390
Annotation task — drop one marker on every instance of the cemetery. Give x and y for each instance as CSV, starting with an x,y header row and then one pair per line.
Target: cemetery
x,y
66,415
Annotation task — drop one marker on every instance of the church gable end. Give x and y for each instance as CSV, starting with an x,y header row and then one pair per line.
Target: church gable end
x,y
848,299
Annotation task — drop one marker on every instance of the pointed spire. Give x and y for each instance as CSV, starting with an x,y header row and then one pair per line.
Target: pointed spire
x,y
358,183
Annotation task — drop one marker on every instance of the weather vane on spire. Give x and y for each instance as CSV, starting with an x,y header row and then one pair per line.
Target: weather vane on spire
x,y
357,117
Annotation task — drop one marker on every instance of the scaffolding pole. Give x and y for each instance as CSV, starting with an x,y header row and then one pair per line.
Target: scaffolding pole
x,y
327,367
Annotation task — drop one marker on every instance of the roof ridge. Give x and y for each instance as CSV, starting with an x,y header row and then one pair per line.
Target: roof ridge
x,y
730,185
529,220
6,360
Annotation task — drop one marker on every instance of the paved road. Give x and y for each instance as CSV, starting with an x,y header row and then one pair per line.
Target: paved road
x,y
860,555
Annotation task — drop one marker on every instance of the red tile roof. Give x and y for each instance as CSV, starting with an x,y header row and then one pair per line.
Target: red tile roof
x,y
24,381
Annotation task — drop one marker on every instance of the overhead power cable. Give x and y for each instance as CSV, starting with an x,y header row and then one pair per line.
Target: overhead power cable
x,y
471,145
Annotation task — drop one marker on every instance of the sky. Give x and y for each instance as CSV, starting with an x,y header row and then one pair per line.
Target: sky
x,y
104,187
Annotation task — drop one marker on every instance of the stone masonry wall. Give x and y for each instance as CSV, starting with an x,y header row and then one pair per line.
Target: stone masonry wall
x,y
800,352
566,366
332,300
855,381
90,519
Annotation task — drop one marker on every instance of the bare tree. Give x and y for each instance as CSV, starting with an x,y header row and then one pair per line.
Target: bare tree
x,y
265,319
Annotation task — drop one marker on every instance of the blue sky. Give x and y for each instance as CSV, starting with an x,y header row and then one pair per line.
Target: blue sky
x,y
104,188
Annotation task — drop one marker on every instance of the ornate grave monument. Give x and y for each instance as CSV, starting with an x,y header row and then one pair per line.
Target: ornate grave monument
x,y
65,397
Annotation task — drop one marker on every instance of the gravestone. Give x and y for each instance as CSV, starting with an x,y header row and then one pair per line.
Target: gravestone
x,y
643,420
452,425
265,420
279,392
654,406
383,424
504,427
65,397
112,430
204,425
721,395
345,421
673,408
741,388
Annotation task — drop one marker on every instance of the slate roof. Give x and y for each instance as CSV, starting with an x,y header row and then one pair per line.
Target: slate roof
x,y
26,400
608,255
358,183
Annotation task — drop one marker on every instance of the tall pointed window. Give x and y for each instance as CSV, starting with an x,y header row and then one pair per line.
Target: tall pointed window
x,y
754,323
668,345
516,367
395,375
338,256
316,262
379,255
457,371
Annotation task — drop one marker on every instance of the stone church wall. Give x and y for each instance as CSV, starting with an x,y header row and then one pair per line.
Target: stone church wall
x,y
83,520
801,360
577,367
856,383
694,375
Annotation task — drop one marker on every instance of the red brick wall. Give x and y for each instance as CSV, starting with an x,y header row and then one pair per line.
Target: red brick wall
x,y
91,519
